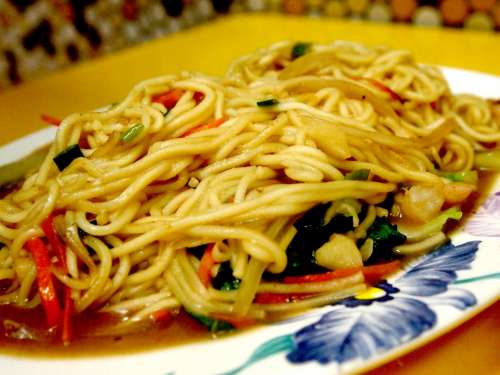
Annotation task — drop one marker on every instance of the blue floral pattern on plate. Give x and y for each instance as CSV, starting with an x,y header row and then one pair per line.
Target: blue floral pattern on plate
x,y
486,221
384,317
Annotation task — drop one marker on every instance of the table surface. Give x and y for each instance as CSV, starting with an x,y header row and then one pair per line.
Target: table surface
x,y
473,347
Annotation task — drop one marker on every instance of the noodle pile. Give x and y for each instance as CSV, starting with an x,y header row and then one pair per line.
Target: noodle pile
x,y
235,162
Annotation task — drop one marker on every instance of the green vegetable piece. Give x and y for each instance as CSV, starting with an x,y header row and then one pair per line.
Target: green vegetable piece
x,y
469,177
213,325
300,49
359,174
267,102
488,160
224,280
435,225
385,237
66,157
313,230
130,134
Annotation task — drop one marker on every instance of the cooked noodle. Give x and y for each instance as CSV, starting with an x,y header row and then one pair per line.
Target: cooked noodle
x,y
129,212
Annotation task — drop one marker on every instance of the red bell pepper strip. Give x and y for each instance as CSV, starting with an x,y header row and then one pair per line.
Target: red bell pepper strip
x,y
372,274
206,264
50,120
210,125
169,99
378,272
60,250
54,240
162,315
83,142
267,298
46,289
320,277
198,97
67,329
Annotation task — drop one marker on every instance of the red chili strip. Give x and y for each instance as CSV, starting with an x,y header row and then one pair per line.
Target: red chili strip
x,y
54,240
46,289
169,99
50,120
211,125
394,95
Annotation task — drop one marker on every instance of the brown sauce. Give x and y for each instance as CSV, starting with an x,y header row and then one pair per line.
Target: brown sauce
x,y
23,332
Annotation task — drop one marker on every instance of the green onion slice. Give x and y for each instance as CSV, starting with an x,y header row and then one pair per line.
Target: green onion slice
x,y
130,134
359,174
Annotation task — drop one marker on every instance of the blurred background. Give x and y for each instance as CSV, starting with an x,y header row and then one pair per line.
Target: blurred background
x,y
38,36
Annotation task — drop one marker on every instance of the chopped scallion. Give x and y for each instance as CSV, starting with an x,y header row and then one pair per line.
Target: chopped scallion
x,y
359,174
469,177
300,49
130,134
267,102
65,157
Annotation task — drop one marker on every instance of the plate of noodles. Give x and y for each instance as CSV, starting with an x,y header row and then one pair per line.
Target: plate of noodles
x,y
320,207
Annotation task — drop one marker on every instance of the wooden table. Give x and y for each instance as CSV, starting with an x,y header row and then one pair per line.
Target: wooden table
x,y
209,48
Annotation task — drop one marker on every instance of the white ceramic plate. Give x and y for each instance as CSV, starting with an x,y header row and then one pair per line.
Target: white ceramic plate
x,y
431,296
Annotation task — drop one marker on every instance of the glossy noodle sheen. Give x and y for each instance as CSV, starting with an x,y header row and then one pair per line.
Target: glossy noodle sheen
x,y
191,160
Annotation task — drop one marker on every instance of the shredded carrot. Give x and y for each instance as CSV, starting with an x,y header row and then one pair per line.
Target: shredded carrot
x,y
210,125
206,264
50,120
169,99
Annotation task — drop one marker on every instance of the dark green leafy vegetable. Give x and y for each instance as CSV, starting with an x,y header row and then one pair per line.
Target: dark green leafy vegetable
x,y
359,174
130,134
197,251
385,237
224,280
312,233
213,325
388,202
267,102
300,49
66,157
